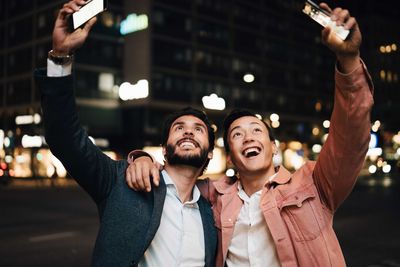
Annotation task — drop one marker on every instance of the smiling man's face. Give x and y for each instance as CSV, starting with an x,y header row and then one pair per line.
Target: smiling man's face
x,y
251,149
187,142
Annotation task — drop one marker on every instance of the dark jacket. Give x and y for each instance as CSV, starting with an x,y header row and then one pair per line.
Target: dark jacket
x,y
128,219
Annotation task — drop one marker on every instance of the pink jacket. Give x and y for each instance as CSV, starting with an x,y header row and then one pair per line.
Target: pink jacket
x,y
299,207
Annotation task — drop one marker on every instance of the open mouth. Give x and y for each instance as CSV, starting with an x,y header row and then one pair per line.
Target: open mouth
x,y
187,143
251,152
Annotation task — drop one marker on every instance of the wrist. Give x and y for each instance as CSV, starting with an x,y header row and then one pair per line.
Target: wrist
x,y
60,58
347,63
135,154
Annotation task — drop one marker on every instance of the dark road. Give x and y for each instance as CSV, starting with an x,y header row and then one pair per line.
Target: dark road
x,y
56,226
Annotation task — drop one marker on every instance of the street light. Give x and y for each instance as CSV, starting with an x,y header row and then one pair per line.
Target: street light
x,y
213,102
128,91
248,78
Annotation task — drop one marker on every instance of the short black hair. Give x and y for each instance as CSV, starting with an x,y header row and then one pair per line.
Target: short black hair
x,y
193,112
236,114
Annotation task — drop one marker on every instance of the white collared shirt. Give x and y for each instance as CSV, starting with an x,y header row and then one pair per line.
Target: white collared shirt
x,y
179,241
252,243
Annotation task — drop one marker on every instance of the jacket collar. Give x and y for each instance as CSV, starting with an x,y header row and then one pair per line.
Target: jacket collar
x,y
283,176
227,185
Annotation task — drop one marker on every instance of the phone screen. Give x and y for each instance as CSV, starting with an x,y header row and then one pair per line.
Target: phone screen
x,y
88,11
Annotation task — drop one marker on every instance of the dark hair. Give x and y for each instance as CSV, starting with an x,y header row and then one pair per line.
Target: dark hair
x,y
193,112
236,114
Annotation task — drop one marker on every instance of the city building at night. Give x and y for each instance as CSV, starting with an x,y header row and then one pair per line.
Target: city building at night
x,y
144,59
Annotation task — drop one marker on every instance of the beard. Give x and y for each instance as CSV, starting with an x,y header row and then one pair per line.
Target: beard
x,y
196,161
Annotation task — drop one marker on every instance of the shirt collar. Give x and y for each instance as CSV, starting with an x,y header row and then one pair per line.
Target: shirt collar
x,y
242,194
171,185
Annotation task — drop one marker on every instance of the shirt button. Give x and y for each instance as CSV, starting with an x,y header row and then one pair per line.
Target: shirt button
x,y
299,205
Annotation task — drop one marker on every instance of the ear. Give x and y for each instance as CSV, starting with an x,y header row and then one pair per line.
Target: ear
x,y
210,155
274,148
229,159
164,151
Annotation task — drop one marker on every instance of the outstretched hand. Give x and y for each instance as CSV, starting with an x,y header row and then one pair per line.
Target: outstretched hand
x,y
347,51
65,42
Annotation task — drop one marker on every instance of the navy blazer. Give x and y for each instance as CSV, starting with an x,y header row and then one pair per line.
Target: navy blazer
x,y
128,219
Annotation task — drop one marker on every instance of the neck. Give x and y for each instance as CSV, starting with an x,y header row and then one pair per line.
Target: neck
x,y
184,178
255,181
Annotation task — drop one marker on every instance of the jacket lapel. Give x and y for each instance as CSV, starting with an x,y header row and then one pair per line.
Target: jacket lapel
x,y
159,193
210,232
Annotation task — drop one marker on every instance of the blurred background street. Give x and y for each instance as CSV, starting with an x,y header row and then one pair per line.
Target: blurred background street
x,y
44,224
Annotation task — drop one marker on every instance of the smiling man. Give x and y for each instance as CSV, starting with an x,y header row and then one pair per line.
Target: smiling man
x,y
267,216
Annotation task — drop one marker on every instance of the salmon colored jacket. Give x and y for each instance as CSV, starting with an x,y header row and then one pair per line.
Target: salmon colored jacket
x,y
299,207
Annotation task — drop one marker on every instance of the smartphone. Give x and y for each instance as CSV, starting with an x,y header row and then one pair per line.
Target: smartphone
x,y
323,18
88,11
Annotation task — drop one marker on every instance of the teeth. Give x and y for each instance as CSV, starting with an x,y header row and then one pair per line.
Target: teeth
x,y
187,144
250,152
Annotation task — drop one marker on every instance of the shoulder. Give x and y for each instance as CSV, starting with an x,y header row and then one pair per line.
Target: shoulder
x,y
304,175
225,184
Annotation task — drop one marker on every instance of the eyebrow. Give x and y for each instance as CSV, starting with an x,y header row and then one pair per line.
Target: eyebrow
x,y
182,123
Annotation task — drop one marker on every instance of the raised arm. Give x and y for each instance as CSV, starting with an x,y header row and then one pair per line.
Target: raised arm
x,y
93,170
68,141
344,152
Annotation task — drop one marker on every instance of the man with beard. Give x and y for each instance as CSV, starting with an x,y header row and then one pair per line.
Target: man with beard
x,y
270,217
170,226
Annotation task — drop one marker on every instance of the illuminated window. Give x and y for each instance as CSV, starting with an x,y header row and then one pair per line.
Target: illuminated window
x,y
389,76
382,74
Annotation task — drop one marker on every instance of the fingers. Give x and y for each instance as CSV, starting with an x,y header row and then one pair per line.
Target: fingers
x,y
146,180
140,173
340,16
325,7
159,165
350,23
89,24
325,35
155,173
71,7
128,179
139,177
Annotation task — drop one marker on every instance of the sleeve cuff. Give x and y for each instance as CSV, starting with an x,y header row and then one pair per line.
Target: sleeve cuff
x,y
54,70
133,155
352,81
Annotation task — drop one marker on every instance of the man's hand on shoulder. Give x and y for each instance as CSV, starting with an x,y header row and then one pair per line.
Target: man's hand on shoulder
x,y
141,172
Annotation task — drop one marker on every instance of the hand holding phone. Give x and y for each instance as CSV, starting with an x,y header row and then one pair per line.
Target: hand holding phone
x,y
65,41
323,18
89,10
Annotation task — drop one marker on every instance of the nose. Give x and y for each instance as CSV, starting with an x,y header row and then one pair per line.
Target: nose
x,y
188,132
248,138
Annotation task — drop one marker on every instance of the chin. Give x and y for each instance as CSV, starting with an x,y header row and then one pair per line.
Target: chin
x,y
255,167
188,153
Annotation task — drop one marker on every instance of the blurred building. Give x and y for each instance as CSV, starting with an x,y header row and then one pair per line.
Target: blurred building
x,y
262,55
